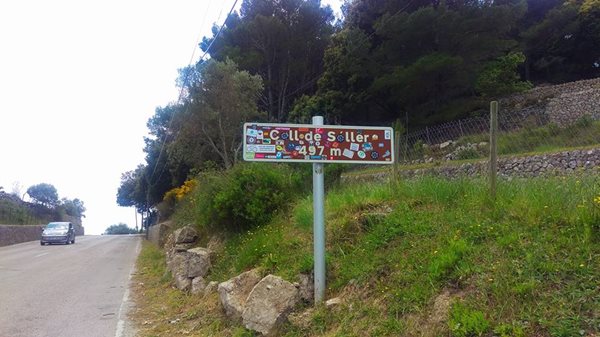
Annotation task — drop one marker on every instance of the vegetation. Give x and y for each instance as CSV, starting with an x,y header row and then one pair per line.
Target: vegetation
x,y
422,62
242,198
45,208
425,256
120,228
44,194
528,139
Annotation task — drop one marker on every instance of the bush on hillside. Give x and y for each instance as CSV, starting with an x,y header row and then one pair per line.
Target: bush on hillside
x,y
246,196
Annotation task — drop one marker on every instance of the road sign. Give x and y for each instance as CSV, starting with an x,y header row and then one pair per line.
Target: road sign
x,y
318,143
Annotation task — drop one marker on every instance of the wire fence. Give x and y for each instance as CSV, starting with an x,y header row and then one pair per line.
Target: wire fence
x,y
522,131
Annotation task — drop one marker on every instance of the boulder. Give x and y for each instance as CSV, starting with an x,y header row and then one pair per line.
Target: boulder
x,y
185,234
169,242
234,292
182,282
198,263
177,264
211,287
269,304
181,247
189,264
198,285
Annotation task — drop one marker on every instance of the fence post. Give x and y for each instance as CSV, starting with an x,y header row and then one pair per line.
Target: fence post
x,y
396,153
493,147
428,138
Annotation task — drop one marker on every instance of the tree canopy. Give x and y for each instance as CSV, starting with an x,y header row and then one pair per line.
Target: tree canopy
x,y
44,194
119,229
281,41
421,62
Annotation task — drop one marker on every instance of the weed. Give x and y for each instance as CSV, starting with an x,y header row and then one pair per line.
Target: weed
x,y
445,262
509,330
467,322
468,153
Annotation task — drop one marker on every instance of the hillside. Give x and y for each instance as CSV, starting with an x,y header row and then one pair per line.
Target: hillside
x,y
426,257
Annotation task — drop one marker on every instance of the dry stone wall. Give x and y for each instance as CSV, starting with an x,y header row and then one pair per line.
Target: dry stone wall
x,y
560,163
13,234
570,107
157,234
562,104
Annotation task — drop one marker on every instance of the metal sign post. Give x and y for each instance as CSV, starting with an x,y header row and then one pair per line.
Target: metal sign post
x,y
318,144
319,224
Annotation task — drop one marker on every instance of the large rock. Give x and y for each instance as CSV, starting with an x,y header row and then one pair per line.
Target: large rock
x,y
198,285
198,263
269,304
234,292
182,282
177,264
190,264
211,287
185,234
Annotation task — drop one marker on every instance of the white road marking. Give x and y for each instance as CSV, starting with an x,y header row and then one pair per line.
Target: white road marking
x,y
124,302
42,254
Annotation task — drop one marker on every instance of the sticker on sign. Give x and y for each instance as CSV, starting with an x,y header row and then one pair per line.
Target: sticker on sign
x,y
318,144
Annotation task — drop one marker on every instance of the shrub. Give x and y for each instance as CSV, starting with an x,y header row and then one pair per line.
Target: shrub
x,y
246,196
468,153
174,196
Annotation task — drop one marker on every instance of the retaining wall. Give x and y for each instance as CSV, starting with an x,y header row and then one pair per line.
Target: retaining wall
x,y
157,234
13,234
563,104
560,163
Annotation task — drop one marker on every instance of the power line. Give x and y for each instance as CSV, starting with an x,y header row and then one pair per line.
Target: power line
x,y
180,98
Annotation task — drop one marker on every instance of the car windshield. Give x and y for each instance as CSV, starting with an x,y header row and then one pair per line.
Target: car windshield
x,y
56,226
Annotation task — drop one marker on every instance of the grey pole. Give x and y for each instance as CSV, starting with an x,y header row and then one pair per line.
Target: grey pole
x,y
319,224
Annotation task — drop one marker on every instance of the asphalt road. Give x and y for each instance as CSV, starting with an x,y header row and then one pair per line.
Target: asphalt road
x,y
78,290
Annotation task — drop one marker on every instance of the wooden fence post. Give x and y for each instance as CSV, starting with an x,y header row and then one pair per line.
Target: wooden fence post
x,y
396,153
493,147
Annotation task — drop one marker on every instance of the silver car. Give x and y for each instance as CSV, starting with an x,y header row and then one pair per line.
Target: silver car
x,y
58,232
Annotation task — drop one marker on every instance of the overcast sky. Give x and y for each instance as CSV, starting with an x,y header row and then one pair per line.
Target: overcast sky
x,y
79,80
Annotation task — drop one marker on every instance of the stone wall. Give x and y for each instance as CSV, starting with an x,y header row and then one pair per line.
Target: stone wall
x,y
562,104
560,163
13,234
157,234
568,108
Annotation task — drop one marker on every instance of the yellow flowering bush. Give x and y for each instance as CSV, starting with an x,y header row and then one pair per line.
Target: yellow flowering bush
x,y
175,195
178,193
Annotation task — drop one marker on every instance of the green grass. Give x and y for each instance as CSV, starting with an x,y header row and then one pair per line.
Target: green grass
x,y
584,133
549,138
527,264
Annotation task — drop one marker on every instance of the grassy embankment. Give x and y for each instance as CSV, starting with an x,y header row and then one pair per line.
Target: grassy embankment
x,y
525,142
416,258
15,213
